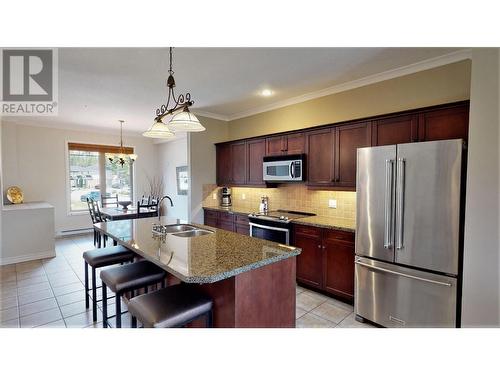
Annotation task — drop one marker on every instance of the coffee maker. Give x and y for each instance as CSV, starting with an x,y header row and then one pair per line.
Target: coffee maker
x,y
225,197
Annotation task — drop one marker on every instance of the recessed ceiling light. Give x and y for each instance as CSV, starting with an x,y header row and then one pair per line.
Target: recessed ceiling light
x,y
266,92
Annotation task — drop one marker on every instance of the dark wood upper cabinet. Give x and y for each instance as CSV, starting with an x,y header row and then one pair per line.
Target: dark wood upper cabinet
x,y
256,150
448,123
223,164
275,145
295,143
331,150
394,130
348,139
289,144
238,163
320,157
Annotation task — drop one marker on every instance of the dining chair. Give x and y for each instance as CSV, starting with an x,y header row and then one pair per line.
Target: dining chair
x,y
109,200
90,206
146,210
97,218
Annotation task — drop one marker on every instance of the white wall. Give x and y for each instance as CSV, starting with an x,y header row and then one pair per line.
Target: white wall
x,y
481,285
202,162
171,155
34,158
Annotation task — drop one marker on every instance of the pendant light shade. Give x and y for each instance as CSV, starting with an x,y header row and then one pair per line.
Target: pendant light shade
x,y
185,121
159,130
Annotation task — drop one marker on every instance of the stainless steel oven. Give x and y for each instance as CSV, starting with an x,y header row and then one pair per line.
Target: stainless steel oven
x,y
274,225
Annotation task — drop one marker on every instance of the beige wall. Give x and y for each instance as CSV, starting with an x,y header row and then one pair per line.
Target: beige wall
x,y
34,158
201,160
171,155
481,288
444,84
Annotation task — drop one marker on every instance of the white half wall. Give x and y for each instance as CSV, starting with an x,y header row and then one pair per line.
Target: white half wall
x,y
202,162
34,158
481,284
171,155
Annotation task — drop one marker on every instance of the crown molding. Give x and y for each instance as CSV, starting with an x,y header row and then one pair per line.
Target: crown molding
x,y
210,115
375,78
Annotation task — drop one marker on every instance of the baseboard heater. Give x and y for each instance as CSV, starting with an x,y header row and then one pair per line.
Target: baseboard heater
x,y
72,232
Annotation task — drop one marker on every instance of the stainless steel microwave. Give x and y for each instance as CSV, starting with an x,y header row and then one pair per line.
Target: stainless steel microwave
x,y
284,168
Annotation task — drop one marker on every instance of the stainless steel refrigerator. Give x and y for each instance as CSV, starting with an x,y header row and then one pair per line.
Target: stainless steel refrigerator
x,y
408,234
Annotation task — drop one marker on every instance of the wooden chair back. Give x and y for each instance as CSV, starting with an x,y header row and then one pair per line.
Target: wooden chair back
x,y
109,200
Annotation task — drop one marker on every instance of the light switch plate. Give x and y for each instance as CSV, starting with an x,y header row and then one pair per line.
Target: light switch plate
x,y
243,196
332,203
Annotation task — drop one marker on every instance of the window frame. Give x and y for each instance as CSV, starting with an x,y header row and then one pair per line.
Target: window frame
x,y
69,211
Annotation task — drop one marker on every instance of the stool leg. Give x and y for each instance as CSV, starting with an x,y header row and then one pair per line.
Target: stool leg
x,y
134,322
210,318
99,241
87,302
146,289
115,243
163,283
104,306
118,311
94,296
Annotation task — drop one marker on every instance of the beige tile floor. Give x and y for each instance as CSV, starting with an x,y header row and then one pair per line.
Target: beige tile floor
x,y
49,293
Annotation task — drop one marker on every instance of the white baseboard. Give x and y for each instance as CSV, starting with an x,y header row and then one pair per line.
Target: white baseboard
x,y
27,257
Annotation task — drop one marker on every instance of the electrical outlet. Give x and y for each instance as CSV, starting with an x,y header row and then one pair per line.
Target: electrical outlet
x,y
332,203
214,196
243,196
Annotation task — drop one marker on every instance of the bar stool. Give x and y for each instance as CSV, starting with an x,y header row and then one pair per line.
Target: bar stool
x,y
98,258
174,306
128,278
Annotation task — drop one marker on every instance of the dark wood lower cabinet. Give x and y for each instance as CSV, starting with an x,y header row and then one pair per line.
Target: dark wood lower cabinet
x,y
327,260
227,220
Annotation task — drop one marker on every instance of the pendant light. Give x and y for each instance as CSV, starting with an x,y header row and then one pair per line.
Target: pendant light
x,y
122,158
182,120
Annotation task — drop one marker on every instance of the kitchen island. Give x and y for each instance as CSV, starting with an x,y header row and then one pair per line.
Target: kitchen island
x,y
251,281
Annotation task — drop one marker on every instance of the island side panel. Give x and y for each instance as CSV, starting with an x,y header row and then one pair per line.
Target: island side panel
x,y
265,297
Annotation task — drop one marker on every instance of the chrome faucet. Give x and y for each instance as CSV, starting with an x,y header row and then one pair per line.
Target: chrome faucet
x,y
161,200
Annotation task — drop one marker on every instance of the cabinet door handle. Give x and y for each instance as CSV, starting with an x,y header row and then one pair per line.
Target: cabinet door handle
x,y
319,246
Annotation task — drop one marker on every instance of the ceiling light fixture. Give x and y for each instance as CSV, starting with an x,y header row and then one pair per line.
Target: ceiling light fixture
x,y
182,119
122,158
266,92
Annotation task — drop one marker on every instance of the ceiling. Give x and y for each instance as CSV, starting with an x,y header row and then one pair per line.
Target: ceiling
x,y
99,86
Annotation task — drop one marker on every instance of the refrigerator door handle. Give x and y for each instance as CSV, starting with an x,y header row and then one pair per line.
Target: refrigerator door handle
x,y
388,203
400,197
402,274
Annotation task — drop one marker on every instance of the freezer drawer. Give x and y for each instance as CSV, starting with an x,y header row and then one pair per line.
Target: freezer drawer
x,y
395,296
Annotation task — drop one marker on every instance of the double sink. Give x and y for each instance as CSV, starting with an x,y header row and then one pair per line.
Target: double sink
x,y
181,230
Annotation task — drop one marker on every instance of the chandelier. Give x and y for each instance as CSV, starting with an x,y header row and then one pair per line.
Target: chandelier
x,y
182,120
122,158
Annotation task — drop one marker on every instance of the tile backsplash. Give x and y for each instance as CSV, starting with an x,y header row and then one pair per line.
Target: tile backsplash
x,y
295,197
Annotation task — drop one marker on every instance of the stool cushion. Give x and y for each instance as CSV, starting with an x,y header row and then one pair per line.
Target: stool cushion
x,y
132,276
170,307
107,256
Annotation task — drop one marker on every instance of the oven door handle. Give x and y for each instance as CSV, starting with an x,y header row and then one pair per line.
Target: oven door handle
x,y
291,170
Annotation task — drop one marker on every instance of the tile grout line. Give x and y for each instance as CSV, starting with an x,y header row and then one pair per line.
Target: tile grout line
x,y
57,302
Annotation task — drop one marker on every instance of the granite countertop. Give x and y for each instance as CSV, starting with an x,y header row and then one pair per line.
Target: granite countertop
x,y
203,259
328,222
232,209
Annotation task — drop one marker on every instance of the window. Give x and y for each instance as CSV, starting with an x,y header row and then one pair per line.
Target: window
x,y
91,175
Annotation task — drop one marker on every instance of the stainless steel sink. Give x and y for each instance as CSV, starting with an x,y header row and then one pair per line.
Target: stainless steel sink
x,y
177,228
193,233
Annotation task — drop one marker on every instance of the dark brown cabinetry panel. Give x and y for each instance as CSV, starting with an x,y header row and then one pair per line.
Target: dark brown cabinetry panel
x,y
295,143
223,164
394,130
309,262
348,139
449,123
338,266
238,163
331,150
227,220
326,261
320,157
256,150
275,146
